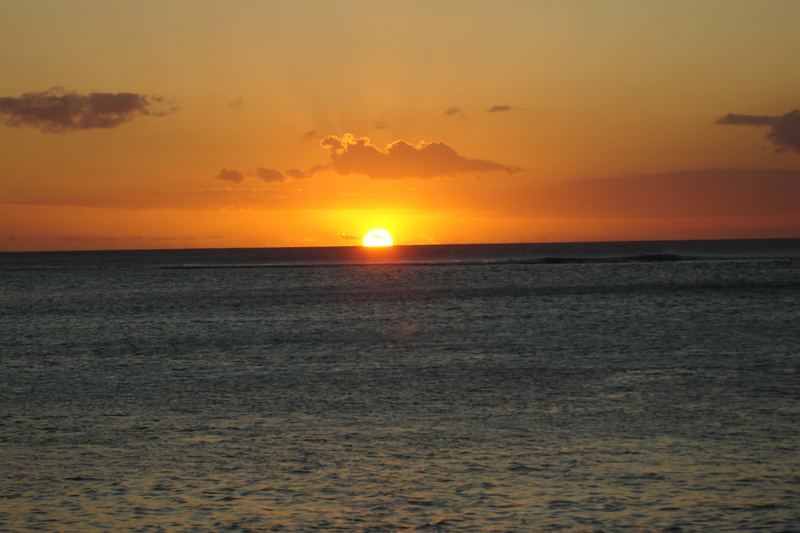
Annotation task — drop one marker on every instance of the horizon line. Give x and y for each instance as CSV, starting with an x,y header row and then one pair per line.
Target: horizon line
x,y
383,249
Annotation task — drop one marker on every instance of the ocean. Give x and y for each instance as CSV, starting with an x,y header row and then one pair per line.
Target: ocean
x,y
650,386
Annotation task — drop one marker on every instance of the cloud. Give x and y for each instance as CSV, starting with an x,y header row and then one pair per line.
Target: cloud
x,y
357,155
450,111
297,174
687,194
498,108
381,124
747,120
309,135
684,204
269,175
230,175
235,104
58,111
784,130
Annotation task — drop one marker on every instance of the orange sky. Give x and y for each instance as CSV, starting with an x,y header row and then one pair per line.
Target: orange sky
x,y
259,123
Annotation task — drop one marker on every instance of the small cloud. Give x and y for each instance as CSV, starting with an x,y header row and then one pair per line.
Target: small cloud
x,y
235,104
499,108
58,111
747,120
784,130
309,135
347,237
450,111
296,173
269,175
230,175
399,159
381,124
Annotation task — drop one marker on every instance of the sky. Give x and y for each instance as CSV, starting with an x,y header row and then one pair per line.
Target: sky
x,y
206,124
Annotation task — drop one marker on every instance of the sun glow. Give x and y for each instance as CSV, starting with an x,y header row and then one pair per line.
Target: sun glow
x,y
377,237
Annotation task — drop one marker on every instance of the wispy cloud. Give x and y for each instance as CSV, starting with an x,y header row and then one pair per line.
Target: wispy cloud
x,y
296,173
399,159
347,237
686,194
269,175
309,135
58,111
784,130
235,104
499,108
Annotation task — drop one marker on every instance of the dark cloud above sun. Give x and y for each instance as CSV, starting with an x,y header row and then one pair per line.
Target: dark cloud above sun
x,y
399,159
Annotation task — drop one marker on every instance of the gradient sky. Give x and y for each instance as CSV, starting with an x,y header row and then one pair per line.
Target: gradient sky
x,y
179,124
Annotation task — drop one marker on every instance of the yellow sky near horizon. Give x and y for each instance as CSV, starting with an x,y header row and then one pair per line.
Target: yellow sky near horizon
x,y
625,94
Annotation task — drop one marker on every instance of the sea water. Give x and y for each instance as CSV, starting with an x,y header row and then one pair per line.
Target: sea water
x,y
639,386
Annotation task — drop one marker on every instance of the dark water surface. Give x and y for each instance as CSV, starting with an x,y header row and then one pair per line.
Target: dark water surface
x,y
640,386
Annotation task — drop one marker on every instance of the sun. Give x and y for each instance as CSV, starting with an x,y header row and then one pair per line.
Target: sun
x,y
377,237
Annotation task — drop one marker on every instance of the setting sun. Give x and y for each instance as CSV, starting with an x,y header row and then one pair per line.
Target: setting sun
x,y
377,237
